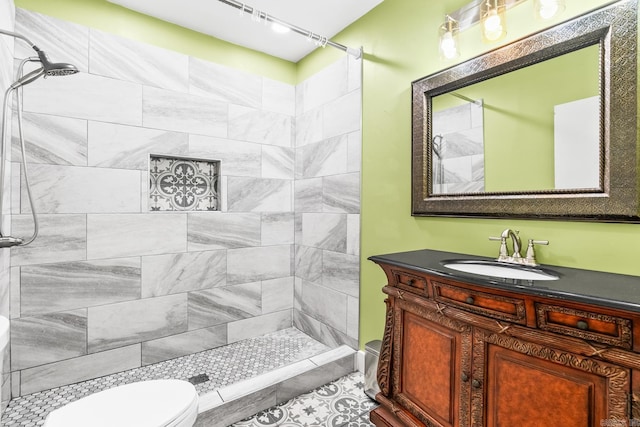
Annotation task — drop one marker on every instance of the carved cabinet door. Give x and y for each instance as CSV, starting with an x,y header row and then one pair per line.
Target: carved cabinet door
x,y
519,383
432,359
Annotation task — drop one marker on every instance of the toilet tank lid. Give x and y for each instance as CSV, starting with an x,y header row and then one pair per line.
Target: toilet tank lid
x,y
153,403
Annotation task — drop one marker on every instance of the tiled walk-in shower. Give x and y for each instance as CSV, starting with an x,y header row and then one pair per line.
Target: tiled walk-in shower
x,y
215,368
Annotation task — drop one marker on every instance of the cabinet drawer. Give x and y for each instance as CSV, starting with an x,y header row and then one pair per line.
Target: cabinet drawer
x,y
405,279
602,328
496,306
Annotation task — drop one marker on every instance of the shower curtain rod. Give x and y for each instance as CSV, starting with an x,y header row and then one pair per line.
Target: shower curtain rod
x,y
356,53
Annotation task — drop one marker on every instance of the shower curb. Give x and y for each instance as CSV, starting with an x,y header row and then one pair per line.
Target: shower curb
x,y
243,399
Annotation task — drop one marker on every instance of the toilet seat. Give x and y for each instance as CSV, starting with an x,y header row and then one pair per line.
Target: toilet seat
x,y
155,403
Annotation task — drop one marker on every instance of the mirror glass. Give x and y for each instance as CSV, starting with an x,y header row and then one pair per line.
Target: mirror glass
x,y
546,115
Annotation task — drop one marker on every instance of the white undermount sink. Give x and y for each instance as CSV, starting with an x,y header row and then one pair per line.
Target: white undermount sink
x,y
500,269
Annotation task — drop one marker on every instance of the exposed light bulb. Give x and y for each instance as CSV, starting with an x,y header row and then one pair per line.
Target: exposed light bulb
x,y
279,28
547,9
493,25
448,46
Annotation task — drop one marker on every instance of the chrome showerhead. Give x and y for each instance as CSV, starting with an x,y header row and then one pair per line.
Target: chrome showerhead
x,y
56,68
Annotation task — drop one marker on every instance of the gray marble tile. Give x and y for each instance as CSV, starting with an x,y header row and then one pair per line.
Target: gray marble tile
x,y
74,189
48,338
174,273
228,413
277,294
79,369
86,96
61,238
258,195
264,127
225,84
130,60
341,272
308,263
278,96
118,325
63,41
195,114
183,344
254,264
123,235
278,162
128,147
325,305
222,305
328,157
353,234
14,299
309,127
354,152
342,116
51,139
237,158
7,15
259,325
325,231
308,195
223,230
53,287
353,317
325,86
321,332
277,228
341,193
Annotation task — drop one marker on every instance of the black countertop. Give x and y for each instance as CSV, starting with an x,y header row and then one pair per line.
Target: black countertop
x,y
593,287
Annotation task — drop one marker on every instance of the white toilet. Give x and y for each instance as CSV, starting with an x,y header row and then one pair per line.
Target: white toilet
x,y
155,403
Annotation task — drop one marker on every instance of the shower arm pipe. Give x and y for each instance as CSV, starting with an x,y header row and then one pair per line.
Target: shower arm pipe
x,y
21,37
356,53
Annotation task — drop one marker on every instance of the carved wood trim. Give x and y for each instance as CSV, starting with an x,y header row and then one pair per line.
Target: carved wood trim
x,y
384,361
623,325
635,405
618,379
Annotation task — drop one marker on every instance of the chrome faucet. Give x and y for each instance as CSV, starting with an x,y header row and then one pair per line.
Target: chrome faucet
x,y
516,242
516,257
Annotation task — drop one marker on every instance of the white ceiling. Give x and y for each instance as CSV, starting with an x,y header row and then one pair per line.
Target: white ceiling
x,y
323,17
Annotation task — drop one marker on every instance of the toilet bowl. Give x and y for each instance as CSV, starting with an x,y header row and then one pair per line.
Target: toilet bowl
x,y
155,403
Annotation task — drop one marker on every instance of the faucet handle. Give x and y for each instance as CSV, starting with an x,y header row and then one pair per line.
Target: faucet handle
x,y
503,254
531,253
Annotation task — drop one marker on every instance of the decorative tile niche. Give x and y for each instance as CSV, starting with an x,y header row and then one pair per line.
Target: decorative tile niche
x,y
183,184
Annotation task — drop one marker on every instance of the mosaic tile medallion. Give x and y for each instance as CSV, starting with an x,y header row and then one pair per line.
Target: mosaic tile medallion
x,y
179,184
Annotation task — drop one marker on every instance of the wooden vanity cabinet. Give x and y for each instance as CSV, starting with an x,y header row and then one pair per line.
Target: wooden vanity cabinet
x,y
458,354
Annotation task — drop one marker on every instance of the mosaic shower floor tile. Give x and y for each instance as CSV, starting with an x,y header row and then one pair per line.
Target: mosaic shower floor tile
x,y
341,403
222,366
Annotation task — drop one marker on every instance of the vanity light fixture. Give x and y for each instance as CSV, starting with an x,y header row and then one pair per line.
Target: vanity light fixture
x,y
493,20
547,9
448,44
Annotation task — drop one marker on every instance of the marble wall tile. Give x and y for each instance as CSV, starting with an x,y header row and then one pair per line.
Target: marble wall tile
x,y
61,238
258,195
325,231
328,157
182,344
123,235
277,228
253,264
129,60
128,147
63,286
264,127
277,294
237,158
182,112
51,139
325,305
224,84
341,193
354,152
321,332
73,189
79,369
341,272
63,41
343,115
297,294
259,325
278,96
14,298
48,338
325,86
309,127
222,305
223,230
118,325
353,234
308,263
174,273
308,195
353,317
86,96
278,162
7,16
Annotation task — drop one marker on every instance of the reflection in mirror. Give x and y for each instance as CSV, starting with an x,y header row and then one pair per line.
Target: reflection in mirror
x,y
546,114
